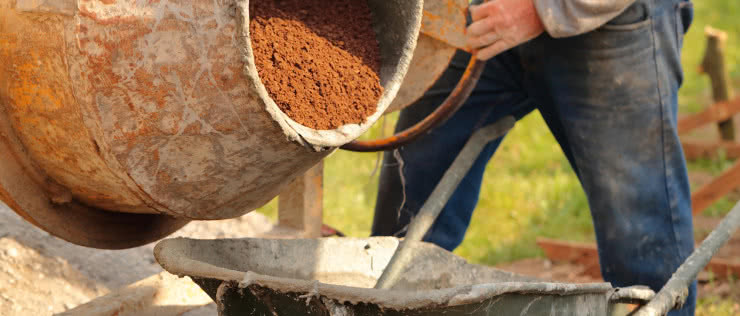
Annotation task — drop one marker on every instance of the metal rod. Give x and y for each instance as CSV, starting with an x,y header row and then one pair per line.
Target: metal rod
x,y
674,293
437,200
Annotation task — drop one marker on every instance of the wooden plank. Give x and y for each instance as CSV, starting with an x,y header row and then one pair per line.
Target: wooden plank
x,y
723,268
720,111
586,254
716,189
713,64
694,149
162,294
300,205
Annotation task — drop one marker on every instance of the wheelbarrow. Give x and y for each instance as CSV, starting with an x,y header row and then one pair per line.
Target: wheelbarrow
x,y
410,277
335,276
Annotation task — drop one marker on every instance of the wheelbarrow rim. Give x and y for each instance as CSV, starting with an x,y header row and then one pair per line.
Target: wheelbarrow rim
x,y
174,256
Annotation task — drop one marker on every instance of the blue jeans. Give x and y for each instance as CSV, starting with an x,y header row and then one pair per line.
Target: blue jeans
x,y
610,99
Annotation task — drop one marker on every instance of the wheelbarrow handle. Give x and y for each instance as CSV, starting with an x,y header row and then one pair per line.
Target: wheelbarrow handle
x,y
674,293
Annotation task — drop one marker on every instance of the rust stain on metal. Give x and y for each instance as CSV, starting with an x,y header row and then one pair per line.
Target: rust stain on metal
x,y
153,107
154,97
31,194
431,59
443,32
187,107
41,106
444,20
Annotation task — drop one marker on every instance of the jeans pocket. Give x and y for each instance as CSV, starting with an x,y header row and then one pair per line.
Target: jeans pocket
x,y
684,18
634,17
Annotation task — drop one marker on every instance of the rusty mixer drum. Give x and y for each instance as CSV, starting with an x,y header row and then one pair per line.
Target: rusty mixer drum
x,y
120,121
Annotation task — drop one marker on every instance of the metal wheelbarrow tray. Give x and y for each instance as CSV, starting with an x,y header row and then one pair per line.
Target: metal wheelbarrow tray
x,y
335,276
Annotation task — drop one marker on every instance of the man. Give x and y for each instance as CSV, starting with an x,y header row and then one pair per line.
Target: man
x,y
605,76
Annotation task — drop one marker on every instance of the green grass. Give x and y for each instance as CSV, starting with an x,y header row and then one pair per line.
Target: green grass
x,y
723,302
716,306
529,188
720,14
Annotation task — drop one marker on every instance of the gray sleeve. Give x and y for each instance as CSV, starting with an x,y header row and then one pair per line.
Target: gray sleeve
x,y
564,18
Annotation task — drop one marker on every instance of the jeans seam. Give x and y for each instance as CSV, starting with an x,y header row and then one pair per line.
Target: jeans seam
x,y
663,105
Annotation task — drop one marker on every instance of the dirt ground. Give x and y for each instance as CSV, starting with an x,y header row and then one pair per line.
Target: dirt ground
x,y
43,275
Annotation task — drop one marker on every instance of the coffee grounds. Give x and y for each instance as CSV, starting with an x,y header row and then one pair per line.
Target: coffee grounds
x,y
318,59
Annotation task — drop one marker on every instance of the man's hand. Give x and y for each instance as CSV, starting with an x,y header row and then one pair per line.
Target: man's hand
x,y
499,25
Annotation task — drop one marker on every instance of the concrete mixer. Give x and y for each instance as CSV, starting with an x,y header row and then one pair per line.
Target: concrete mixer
x,y
121,121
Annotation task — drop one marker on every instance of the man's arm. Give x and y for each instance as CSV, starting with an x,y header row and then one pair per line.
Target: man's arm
x,y
499,25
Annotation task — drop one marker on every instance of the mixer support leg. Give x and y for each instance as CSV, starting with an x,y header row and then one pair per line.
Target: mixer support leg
x,y
300,206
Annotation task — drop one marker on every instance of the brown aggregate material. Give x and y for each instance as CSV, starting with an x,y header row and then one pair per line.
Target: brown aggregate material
x,y
318,59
